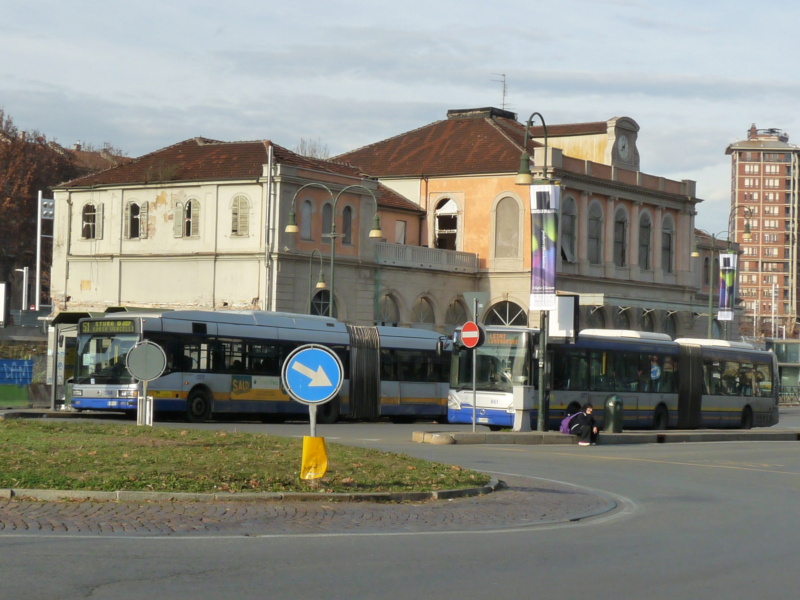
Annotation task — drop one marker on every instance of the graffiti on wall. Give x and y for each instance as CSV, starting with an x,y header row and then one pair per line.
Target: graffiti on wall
x,y
16,372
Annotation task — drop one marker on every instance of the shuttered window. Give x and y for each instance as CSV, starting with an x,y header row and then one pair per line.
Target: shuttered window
x,y
240,217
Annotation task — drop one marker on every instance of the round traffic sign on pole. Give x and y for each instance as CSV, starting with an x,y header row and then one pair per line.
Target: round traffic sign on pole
x,y
312,374
472,335
146,361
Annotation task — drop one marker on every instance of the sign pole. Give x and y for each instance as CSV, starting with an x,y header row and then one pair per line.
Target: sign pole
x,y
475,374
312,419
312,374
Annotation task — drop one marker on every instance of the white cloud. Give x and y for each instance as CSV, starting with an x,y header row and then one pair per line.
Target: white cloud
x,y
148,74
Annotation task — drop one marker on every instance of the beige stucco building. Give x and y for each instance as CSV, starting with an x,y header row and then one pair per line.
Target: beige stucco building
x,y
202,224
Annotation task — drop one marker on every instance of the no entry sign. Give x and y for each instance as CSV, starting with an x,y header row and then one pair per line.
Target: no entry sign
x,y
471,335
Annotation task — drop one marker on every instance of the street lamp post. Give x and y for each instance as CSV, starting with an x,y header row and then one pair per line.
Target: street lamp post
x,y
525,177
320,282
24,272
375,231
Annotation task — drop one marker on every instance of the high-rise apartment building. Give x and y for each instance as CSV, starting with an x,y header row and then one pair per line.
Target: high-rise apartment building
x,y
764,220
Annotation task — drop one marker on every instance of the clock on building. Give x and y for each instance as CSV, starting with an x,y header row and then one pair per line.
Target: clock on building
x,y
623,146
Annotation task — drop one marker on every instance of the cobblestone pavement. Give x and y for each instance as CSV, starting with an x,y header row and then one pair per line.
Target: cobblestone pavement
x,y
523,503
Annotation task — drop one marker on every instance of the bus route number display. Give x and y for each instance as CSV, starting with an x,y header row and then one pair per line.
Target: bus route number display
x,y
116,326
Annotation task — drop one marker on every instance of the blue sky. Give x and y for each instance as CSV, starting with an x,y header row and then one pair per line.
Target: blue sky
x,y
143,75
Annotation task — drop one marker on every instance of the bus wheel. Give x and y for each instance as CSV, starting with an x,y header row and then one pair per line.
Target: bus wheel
x,y
328,413
747,418
660,418
198,407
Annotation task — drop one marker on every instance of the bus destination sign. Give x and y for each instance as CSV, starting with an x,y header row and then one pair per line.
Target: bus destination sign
x,y
109,326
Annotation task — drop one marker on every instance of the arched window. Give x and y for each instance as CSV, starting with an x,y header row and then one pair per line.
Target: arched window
x,y
187,219
647,321
422,314
240,217
135,221
389,313
455,316
569,218
306,210
667,245
621,238
446,224
327,218
622,319
670,326
506,313
595,247
191,219
645,242
92,221
506,229
321,303
597,318
347,225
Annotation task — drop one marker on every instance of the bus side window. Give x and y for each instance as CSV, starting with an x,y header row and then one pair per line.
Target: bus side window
x,y
763,383
387,366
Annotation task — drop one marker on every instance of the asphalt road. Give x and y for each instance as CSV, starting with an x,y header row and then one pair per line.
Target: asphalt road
x,y
694,520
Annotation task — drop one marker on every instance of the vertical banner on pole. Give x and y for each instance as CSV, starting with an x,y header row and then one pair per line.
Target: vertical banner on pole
x,y
544,246
727,284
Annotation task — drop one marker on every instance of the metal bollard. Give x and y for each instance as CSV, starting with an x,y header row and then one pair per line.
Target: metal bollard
x,y
612,415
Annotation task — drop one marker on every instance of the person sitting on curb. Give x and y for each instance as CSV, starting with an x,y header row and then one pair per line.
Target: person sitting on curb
x,y
584,426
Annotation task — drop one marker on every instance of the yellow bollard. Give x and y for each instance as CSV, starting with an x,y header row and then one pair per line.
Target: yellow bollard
x,y
315,459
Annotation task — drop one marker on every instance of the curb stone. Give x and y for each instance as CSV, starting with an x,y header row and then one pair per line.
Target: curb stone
x,y
494,485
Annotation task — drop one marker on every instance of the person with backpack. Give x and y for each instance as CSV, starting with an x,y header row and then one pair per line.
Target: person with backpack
x,y
581,424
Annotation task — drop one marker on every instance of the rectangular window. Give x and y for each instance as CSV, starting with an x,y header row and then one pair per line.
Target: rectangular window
x,y
770,252
772,169
400,232
751,169
772,183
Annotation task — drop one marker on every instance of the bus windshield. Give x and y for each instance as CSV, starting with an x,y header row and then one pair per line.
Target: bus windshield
x,y
101,358
502,363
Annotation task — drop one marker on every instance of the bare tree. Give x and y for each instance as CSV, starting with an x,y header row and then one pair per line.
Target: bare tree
x,y
313,149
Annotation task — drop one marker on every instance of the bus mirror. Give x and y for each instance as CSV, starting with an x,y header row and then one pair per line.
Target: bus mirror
x,y
441,345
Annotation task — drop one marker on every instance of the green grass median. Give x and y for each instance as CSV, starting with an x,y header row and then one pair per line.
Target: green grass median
x,y
109,457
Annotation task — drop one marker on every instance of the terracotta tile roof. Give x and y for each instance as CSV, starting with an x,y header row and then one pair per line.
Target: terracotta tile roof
x,y
568,129
389,198
92,162
483,141
202,159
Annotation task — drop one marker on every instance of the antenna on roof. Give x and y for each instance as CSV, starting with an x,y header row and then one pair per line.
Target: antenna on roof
x,y
505,89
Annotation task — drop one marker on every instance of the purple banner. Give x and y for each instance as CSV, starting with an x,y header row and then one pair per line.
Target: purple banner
x,y
727,285
544,245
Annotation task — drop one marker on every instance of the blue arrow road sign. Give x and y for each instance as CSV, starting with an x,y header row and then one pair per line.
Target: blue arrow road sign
x,y
312,374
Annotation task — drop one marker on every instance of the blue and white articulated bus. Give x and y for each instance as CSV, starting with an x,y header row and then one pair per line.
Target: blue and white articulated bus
x,y
230,362
662,383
